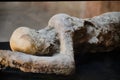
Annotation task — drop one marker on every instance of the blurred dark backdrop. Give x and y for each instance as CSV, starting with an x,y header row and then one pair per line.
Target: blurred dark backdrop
x,y
89,66
100,66
36,14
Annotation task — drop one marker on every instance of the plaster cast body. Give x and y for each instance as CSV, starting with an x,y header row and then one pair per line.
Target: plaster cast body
x,y
61,38
100,32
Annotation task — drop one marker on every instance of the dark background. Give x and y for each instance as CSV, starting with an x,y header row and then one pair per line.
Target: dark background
x,y
89,66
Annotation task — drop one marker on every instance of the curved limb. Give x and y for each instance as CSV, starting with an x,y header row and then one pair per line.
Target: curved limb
x,y
61,63
99,30
44,41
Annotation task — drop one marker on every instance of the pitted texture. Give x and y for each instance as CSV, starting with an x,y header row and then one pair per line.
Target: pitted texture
x,y
63,36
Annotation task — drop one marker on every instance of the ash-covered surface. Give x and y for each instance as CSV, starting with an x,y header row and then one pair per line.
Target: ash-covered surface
x,y
89,66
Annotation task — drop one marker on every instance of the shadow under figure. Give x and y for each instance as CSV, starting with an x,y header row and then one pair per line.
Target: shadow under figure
x,y
61,38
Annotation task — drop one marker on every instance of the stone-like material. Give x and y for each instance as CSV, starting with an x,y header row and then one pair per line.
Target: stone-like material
x,y
63,33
